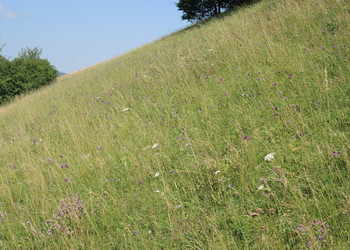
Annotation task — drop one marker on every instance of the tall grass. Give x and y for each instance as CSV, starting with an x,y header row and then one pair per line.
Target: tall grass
x,y
164,146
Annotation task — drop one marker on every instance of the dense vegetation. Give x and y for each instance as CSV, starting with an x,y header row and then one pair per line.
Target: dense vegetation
x,y
196,10
165,147
25,73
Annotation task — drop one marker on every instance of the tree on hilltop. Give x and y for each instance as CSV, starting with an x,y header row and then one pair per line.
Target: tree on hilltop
x,y
196,10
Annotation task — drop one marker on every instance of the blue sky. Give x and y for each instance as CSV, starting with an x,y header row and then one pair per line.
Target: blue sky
x,y
75,34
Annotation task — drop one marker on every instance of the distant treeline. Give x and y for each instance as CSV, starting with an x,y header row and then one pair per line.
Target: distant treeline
x,y
25,73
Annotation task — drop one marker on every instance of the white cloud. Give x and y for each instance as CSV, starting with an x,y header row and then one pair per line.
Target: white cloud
x,y
4,12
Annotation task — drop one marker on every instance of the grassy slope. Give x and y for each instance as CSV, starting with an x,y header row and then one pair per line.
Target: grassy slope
x,y
198,94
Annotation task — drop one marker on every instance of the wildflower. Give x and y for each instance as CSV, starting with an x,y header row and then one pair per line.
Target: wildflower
x,y
246,137
254,214
269,157
276,107
229,186
179,206
134,232
274,84
261,187
126,109
64,166
321,238
226,94
309,244
66,179
157,174
155,146
99,148
216,172
334,154
290,76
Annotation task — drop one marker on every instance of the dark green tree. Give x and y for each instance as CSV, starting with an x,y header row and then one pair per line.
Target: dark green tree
x,y
24,73
196,10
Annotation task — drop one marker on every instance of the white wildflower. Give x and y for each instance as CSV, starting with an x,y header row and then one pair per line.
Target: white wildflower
x,y
157,174
155,146
269,157
261,187
216,172
126,109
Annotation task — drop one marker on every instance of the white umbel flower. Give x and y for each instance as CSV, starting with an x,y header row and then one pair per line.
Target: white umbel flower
x,y
269,157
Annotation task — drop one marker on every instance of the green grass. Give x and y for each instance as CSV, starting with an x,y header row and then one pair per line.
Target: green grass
x,y
200,101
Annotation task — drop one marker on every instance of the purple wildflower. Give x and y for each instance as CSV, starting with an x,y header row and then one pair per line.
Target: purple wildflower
x,y
66,179
64,166
274,84
226,93
246,137
290,76
335,154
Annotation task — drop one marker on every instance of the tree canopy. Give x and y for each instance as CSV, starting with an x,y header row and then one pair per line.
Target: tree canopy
x,y
196,10
24,73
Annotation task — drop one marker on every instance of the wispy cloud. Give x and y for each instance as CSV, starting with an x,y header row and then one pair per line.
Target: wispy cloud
x,y
4,12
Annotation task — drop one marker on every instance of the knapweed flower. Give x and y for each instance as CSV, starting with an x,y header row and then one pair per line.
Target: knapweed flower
x,y
274,84
226,94
64,166
269,157
335,154
246,137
